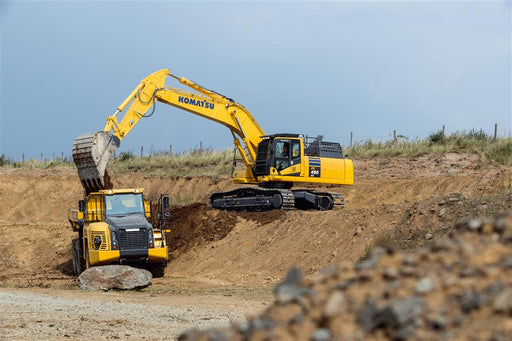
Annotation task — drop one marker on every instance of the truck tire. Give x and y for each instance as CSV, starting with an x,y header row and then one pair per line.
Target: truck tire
x,y
78,260
87,261
157,270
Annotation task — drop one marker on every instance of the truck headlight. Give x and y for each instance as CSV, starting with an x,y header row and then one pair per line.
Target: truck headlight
x,y
114,240
97,242
150,239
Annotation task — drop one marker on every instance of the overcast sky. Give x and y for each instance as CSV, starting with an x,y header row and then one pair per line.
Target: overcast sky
x,y
326,68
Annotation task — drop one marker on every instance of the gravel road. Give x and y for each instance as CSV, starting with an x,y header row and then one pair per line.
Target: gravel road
x,y
73,314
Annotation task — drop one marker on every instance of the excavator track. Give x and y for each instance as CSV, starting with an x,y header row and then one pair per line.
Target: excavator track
x,y
339,199
253,199
288,199
306,199
264,199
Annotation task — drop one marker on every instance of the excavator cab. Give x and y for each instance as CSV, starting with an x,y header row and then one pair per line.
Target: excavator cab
x,y
281,153
294,155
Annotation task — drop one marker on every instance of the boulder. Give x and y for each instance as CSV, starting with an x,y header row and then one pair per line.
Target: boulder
x,y
120,277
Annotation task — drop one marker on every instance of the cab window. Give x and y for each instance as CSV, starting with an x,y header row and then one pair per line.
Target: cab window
x,y
282,155
121,204
296,150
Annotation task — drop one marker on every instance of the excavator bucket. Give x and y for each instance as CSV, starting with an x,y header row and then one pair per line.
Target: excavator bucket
x,y
91,153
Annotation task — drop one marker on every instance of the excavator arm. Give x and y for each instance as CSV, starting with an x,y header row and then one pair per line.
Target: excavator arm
x,y
91,152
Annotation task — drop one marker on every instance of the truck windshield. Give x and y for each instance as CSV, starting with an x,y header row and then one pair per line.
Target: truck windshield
x,y
122,204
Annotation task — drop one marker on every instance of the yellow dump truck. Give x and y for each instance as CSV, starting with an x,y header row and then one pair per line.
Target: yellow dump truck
x,y
114,227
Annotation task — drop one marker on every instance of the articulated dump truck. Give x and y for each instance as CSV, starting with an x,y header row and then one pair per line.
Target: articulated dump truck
x,y
119,226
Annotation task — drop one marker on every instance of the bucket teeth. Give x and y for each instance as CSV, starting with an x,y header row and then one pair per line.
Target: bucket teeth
x,y
91,153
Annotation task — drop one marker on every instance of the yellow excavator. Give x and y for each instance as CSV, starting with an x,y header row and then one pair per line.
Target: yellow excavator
x,y
274,163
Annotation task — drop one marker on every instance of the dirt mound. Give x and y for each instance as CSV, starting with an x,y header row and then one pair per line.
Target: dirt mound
x,y
456,287
196,225
431,218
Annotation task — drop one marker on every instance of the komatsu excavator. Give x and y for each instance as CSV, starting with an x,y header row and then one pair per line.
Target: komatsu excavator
x,y
272,162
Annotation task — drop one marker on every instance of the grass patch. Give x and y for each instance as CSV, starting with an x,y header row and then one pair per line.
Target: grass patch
x,y
193,163
475,142
35,164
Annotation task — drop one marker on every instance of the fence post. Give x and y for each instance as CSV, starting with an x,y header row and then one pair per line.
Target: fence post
x,y
442,135
201,146
41,157
495,131
394,136
23,157
141,151
351,138
170,149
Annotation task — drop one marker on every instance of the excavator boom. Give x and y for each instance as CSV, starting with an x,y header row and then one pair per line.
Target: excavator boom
x,y
92,151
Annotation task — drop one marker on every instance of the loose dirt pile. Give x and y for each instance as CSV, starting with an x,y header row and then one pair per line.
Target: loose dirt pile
x,y
455,287
196,224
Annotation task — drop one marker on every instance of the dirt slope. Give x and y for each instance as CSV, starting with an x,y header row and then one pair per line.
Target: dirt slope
x,y
218,248
457,287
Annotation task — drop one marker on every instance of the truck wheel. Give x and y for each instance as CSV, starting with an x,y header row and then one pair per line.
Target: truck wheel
x,y
157,270
86,256
78,260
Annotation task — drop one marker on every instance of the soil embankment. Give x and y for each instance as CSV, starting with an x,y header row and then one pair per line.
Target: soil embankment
x,y
408,201
413,196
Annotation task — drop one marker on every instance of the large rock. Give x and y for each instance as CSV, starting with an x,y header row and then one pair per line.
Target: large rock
x,y
108,277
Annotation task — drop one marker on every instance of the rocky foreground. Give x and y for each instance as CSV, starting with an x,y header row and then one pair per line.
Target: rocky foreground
x,y
456,287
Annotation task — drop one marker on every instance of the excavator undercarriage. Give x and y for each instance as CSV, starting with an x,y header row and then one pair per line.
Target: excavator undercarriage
x,y
265,199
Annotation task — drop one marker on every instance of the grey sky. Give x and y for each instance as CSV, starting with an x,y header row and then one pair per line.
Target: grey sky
x,y
302,67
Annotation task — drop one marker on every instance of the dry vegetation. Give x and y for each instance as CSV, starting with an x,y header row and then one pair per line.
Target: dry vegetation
x,y
476,142
213,163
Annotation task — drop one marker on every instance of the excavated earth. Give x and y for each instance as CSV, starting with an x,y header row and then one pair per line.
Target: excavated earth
x,y
458,286
223,265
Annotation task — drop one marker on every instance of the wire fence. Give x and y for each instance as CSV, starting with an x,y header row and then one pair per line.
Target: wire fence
x,y
441,134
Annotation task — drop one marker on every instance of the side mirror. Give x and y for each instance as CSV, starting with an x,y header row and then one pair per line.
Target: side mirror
x,y
165,202
81,205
